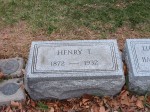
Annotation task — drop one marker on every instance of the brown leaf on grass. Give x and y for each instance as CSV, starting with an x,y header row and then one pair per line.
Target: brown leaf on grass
x,y
8,109
124,98
50,104
125,102
1,75
104,100
101,103
32,103
133,99
139,104
102,109
141,98
20,106
23,71
84,100
95,108
15,104
114,104
51,109
124,94
22,86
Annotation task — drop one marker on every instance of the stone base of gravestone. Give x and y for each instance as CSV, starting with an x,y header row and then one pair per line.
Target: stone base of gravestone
x,y
66,69
63,89
137,57
12,67
11,90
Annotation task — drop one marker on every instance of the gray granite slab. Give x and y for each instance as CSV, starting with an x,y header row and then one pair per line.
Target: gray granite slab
x,y
65,69
12,67
137,57
11,90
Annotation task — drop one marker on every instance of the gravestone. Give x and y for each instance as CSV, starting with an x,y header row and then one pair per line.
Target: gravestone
x,y
66,69
10,90
137,57
11,67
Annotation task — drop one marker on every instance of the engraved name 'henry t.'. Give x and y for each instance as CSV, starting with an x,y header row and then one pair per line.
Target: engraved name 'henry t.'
x,y
72,52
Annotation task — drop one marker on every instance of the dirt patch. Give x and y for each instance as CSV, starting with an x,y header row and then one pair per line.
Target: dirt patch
x,y
16,40
125,33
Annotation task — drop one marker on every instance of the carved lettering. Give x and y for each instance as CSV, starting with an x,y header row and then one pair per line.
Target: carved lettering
x,y
91,62
146,48
89,51
57,63
146,59
69,52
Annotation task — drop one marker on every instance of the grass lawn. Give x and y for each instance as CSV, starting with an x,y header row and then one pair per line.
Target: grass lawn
x,y
100,16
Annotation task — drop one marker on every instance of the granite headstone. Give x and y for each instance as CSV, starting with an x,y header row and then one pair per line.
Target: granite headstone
x,y
66,69
137,57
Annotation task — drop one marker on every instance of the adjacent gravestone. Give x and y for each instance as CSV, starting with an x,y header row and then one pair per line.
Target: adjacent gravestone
x,y
11,67
10,90
65,69
137,57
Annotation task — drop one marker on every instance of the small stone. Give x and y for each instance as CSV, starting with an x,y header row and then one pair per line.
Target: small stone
x,y
12,67
137,58
67,69
11,90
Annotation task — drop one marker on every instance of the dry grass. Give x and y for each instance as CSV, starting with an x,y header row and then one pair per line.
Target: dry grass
x,y
16,40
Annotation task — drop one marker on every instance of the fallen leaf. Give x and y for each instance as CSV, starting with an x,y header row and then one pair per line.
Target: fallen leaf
x,y
124,94
1,75
15,104
125,102
84,100
139,104
115,104
124,98
20,106
104,100
8,109
102,109
95,108
87,106
141,98
51,109
23,71
32,103
133,99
